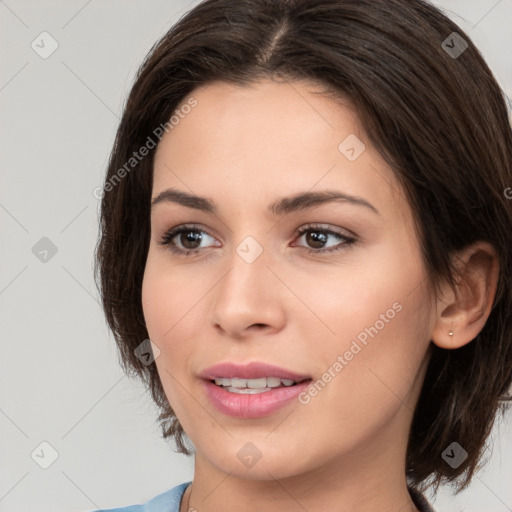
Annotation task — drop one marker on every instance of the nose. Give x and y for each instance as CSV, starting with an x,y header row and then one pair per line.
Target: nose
x,y
248,299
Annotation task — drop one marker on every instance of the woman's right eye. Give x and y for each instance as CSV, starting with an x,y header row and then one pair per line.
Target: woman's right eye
x,y
185,240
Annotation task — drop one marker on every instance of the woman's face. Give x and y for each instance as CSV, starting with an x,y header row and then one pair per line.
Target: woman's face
x,y
329,290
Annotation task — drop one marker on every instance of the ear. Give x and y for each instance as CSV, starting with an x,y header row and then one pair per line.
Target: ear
x,y
464,311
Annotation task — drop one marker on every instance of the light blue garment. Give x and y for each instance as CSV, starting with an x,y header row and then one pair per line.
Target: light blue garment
x,y
168,501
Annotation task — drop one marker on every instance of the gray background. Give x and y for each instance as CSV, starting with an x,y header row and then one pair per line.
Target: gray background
x,y
60,380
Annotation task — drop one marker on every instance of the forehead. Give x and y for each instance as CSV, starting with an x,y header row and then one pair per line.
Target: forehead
x,y
286,137
253,113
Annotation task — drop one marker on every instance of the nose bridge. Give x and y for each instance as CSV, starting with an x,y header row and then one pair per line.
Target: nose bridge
x,y
247,293
248,271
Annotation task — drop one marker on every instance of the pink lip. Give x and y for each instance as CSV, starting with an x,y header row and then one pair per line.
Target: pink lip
x,y
252,406
253,370
257,405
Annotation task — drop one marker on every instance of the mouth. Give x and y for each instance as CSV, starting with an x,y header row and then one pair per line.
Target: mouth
x,y
252,390
254,386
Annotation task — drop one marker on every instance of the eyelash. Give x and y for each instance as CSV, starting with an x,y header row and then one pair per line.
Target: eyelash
x,y
347,242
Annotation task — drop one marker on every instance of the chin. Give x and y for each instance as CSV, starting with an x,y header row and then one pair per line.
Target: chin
x,y
259,458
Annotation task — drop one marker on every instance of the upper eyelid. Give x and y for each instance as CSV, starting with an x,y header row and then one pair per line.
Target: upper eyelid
x,y
322,227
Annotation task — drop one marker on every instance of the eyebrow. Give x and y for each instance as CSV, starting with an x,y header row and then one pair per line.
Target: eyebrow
x,y
282,206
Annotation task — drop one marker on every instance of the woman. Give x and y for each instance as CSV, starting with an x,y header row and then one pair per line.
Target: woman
x,y
305,211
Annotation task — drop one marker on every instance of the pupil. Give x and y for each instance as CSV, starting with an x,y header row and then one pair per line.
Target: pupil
x,y
316,239
189,239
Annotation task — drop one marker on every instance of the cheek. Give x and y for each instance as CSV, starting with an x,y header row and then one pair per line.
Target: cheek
x,y
155,300
168,297
165,303
371,332
174,312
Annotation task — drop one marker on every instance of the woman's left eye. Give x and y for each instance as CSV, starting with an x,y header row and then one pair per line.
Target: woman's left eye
x,y
187,240
317,238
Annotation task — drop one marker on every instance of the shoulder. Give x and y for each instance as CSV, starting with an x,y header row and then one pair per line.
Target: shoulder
x,y
168,501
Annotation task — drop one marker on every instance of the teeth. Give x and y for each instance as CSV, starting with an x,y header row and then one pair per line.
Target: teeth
x,y
238,383
273,382
247,391
257,383
251,386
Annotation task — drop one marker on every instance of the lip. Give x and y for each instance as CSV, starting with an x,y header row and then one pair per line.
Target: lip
x,y
252,370
254,405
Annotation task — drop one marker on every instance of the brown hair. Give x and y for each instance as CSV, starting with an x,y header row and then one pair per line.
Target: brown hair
x,y
439,119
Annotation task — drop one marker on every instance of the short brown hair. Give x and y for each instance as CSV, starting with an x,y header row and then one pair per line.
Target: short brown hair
x,y
440,121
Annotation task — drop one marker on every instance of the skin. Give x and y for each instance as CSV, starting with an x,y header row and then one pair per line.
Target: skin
x,y
243,148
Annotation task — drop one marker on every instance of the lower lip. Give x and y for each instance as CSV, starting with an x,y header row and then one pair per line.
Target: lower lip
x,y
256,405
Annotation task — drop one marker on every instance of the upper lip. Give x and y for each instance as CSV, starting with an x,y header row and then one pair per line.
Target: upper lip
x,y
252,370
